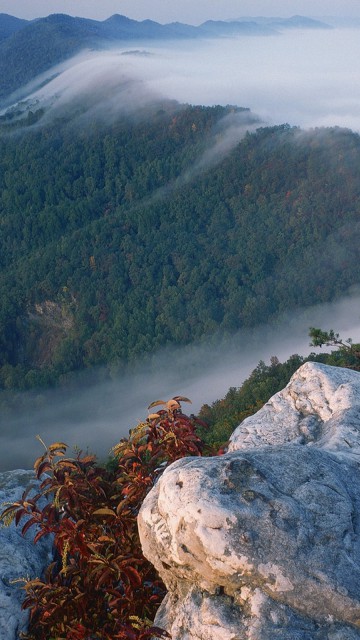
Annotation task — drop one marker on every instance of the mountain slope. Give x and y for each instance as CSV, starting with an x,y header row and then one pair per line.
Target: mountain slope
x,y
295,22
10,25
117,240
39,46
217,28
35,47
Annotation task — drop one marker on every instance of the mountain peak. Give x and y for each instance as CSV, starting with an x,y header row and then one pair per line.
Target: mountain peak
x,y
118,18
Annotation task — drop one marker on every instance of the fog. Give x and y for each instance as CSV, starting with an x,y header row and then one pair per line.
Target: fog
x,y
305,78
308,78
96,415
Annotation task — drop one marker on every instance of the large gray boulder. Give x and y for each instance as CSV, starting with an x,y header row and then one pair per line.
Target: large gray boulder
x,y
263,542
19,558
319,407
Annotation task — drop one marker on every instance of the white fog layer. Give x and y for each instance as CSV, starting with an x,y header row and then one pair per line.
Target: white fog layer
x,y
308,78
96,416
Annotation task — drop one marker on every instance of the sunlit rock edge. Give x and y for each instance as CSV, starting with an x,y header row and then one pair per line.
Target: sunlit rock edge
x,y
263,542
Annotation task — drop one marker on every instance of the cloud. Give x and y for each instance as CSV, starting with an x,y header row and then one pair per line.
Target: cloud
x,y
307,78
304,78
229,131
99,85
95,415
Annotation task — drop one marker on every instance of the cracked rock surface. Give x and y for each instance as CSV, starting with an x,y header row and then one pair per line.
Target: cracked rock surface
x,y
19,558
263,542
320,406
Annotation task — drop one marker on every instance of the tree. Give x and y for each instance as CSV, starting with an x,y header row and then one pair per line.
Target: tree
x,y
329,339
348,351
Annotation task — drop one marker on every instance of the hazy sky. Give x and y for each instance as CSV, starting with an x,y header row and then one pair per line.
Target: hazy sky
x,y
182,10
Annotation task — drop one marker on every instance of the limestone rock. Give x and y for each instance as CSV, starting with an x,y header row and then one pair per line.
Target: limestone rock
x,y
320,406
19,558
263,542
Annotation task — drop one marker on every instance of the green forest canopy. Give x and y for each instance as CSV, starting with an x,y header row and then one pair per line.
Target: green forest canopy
x,y
112,246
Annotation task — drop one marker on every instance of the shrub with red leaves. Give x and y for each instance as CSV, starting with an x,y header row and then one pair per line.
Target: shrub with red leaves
x,y
99,585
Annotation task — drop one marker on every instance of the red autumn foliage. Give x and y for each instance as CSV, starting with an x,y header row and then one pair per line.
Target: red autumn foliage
x,y
99,585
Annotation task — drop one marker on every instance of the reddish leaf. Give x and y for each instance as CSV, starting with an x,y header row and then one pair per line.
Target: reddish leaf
x,y
104,512
57,445
28,525
43,467
40,534
133,575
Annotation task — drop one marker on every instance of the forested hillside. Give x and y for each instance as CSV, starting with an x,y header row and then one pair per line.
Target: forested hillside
x,y
10,25
113,241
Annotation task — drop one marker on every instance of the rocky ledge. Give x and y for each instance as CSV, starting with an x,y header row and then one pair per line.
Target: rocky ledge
x,y
263,543
19,557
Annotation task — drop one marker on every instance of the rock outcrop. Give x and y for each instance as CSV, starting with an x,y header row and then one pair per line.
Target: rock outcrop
x,y
19,558
264,542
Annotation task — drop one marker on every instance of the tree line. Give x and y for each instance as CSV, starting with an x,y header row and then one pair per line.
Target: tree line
x,y
111,245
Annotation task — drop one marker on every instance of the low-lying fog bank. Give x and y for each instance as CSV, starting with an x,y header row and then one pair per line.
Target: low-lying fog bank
x,y
95,416
303,77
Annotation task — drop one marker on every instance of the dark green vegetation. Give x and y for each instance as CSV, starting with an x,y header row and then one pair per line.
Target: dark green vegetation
x,y
224,415
111,244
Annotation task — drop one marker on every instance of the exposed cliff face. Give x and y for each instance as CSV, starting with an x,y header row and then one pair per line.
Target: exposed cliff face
x,y
44,330
19,558
264,542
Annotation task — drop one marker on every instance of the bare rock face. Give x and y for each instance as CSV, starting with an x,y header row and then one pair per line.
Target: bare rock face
x,y
19,558
264,542
320,407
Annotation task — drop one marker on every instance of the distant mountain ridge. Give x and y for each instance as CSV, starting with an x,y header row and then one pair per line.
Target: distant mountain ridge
x,y
9,25
295,22
30,48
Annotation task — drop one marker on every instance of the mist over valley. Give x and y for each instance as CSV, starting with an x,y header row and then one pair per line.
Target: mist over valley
x,y
155,241
98,409
305,77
